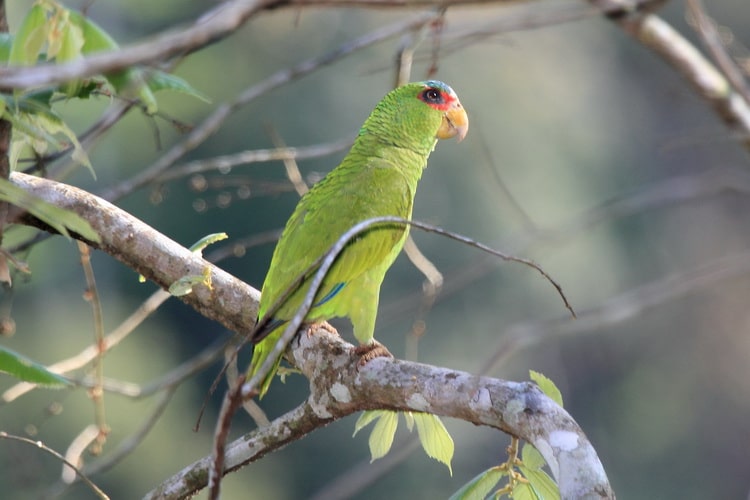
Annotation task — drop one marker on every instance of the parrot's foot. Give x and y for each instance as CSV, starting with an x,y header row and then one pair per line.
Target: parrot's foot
x,y
324,325
370,351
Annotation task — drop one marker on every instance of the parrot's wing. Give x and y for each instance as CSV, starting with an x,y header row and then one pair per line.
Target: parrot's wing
x,y
338,202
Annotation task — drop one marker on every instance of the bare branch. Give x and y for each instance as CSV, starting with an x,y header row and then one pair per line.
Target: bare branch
x,y
339,387
96,393
227,162
229,301
653,32
290,164
620,308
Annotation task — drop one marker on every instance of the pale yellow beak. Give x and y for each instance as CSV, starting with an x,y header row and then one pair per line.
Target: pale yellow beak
x,y
455,123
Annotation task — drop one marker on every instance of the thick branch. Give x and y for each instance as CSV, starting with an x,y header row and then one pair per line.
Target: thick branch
x,y
229,301
340,387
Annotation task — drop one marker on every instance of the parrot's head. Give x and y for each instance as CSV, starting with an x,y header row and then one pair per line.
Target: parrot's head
x,y
415,115
440,97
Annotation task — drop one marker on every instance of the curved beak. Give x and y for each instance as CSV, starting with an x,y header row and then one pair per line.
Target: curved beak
x,y
455,123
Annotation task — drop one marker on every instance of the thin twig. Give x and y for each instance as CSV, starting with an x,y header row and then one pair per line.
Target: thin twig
x,y
290,163
706,29
226,163
430,289
96,393
76,448
47,449
320,267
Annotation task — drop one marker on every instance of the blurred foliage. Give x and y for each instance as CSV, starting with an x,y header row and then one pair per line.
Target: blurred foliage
x,y
564,119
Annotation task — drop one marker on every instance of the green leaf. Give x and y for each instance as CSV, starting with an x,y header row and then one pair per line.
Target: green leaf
x,y
35,124
6,42
71,43
547,386
29,371
531,457
30,37
95,39
128,82
435,439
540,486
132,82
35,101
481,486
381,437
524,491
364,419
209,239
409,417
54,125
160,80
57,218
26,132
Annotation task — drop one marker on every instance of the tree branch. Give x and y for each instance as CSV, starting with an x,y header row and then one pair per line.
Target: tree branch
x,y
653,32
218,23
229,301
340,387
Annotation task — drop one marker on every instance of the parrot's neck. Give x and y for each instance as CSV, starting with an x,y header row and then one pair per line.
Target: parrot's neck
x,y
407,157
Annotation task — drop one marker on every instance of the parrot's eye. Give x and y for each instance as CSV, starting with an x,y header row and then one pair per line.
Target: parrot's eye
x,y
432,96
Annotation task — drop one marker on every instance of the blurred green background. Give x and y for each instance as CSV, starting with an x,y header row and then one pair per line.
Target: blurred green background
x,y
586,153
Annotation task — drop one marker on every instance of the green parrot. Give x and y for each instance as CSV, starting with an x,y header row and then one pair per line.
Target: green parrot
x,y
378,177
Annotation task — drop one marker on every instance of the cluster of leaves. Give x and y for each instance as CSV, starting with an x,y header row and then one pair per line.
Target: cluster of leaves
x,y
50,32
433,435
525,477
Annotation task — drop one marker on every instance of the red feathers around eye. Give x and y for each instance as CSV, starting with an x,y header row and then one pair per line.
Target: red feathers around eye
x,y
436,98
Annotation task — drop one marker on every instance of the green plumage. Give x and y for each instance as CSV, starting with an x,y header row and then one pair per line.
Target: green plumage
x,y
378,177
